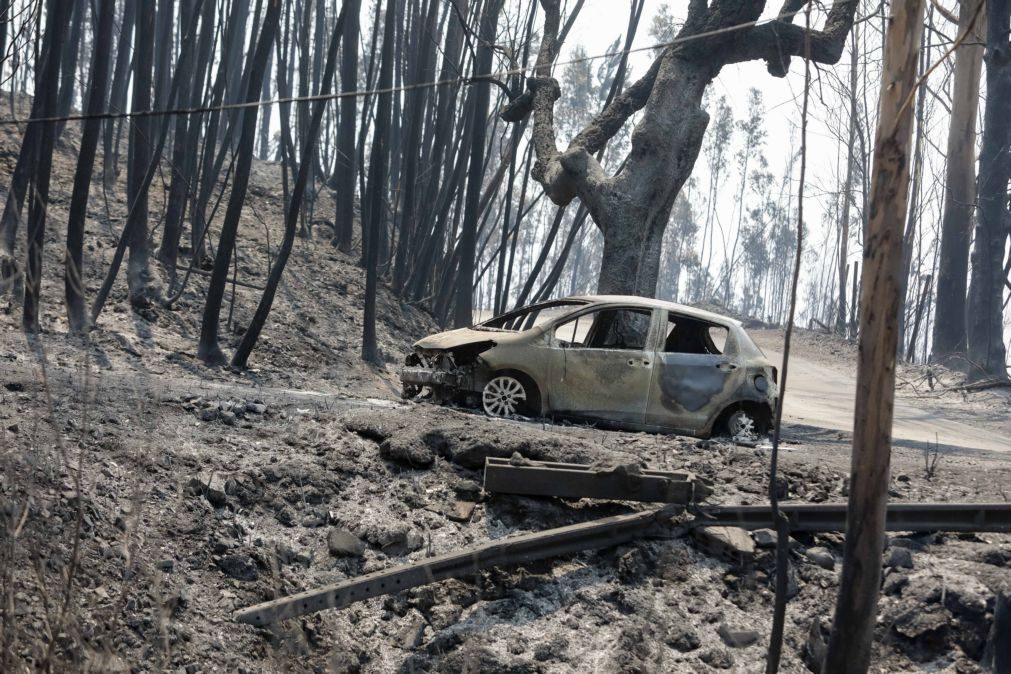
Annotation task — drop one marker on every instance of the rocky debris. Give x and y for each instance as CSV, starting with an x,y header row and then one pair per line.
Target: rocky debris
x,y
461,511
216,497
938,607
467,490
730,543
737,638
407,449
823,557
238,566
229,411
764,538
718,658
343,543
467,440
996,556
683,639
899,558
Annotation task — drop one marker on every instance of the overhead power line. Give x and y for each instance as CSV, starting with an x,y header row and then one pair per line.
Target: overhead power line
x,y
458,81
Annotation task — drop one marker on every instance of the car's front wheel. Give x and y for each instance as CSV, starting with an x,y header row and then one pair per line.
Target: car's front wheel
x,y
505,396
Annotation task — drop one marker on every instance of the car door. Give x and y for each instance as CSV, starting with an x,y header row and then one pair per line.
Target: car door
x,y
691,371
601,364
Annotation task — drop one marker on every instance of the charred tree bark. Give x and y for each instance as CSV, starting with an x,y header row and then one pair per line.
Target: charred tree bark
x,y
117,94
190,94
849,646
987,357
346,151
141,136
464,312
68,69
47,88
208,349
376,222
960,191
632,208
73,267
309,143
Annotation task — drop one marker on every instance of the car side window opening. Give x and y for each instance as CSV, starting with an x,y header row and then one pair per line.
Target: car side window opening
x,y
607,329
689,335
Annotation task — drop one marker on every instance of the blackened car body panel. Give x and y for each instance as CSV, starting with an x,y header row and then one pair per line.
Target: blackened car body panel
x,y
624,361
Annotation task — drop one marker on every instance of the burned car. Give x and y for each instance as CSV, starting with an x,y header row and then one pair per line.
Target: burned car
x,y
626,362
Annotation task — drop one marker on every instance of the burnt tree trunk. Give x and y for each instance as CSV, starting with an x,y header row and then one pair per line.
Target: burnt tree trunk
x,y
309,142
960,191
849,647
346,154
117,94
141,136
73,267
987,357
47,83
632,208
208,349
464,312
376,222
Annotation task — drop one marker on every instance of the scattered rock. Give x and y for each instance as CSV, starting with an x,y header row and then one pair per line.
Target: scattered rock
x,y
409,450
467,490
683,639
764,538
731,543
256,408
894,583
343,543
736,638
717,657
208,414
238,566
461,511
822,557
899,558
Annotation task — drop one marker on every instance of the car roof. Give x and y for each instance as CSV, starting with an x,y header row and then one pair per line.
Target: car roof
x,y
649,303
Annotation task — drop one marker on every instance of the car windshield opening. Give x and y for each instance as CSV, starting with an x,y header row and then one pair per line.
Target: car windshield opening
x,y
532,316
689,335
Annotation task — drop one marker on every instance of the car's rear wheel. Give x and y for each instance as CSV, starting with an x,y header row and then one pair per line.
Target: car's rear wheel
x,y
505,396
741,424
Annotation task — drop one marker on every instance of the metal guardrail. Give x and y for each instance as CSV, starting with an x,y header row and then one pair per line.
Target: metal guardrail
x,y
602,533
571,480
629,484
815,517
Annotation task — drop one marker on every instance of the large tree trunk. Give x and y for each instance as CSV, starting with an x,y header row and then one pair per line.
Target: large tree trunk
x,y
987,357
376,222
464,313
632,208
208,349
960,192
346,155
141,137
46,88
849,648
73,268
117,94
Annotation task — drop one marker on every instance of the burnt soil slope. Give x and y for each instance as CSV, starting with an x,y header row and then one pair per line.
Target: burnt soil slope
x,y
171,494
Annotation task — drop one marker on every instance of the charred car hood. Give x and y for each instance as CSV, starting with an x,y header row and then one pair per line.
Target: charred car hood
x,y
467,337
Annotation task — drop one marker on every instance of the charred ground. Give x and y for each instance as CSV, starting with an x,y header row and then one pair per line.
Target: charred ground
x,y
173,494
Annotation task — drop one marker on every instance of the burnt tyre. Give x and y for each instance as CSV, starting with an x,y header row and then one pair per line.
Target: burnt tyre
x,y
506,396
742,424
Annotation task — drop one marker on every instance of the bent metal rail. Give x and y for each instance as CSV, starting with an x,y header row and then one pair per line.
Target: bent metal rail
x,y
611,531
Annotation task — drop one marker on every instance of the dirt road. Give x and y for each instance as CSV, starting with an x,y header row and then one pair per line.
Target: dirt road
x,y
823,396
